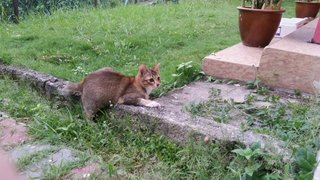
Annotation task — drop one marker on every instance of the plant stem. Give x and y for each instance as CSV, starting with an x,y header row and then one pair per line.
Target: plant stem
x,y
279,4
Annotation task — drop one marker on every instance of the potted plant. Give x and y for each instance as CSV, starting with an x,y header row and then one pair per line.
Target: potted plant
x,y
259,22
307,8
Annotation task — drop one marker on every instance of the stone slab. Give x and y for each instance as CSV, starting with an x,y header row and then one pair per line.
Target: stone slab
x,y
84,172
27,149
12,132
173,121
236,62
293,62
37,170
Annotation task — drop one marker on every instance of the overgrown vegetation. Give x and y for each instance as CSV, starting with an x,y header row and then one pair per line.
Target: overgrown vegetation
x,y
72,42
24,161
46,7
293,122
129,149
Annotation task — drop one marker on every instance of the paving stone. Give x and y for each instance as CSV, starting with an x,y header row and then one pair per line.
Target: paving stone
x,y
57,159
12,133
27,149
84,172
7,169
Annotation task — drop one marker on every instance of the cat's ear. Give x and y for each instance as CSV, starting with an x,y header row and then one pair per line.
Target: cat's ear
x,y
156,68
142,70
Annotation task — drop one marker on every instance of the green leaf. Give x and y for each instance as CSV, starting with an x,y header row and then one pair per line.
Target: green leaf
x,y
251,169
306,161
247,153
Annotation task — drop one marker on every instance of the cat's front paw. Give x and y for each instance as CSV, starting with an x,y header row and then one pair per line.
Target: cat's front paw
x,y
153,104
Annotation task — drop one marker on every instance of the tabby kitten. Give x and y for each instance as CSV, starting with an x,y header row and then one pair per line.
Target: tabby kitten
x,y
106,87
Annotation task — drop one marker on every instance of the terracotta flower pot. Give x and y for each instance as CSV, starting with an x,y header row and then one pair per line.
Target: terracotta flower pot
x,y
307,9
258,27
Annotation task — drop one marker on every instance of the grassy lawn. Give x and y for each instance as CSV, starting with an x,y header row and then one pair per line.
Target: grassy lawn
x,y
69,44
127,148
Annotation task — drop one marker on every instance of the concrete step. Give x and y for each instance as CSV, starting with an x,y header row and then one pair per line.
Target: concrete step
x,y
290,62
236,62
293,62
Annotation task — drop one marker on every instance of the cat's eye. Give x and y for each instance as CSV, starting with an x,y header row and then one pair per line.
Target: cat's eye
x,y
158,78
151,80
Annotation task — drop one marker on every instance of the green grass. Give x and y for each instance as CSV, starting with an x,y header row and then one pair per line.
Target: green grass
x,y
127,147
57,172
24,161
69,44
293,122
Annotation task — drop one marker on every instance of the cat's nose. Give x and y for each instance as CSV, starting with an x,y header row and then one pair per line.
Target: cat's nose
x,y
158,85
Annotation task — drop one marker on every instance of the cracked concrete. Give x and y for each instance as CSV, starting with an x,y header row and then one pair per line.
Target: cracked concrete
x,y
173,121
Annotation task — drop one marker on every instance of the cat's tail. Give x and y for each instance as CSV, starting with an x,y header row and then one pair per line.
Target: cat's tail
x,y
71,89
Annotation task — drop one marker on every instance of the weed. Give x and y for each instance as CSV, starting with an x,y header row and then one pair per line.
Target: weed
x,y
262,90
211,78
293,123
306,162
253,84
128,148
184,74
57,172
214,92
252,163
297,93
215,108
34,157
250,98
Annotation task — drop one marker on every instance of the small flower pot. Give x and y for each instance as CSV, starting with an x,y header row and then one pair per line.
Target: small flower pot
x,y
258,27
307,9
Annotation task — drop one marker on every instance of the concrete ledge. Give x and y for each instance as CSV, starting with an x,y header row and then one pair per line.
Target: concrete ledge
x,y
170,120
292,62
236,62
47,84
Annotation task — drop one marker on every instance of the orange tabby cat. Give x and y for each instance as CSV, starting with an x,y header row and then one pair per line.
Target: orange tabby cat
x,y
106,87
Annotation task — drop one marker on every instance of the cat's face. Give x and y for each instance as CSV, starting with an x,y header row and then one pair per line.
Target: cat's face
x,y
149,78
